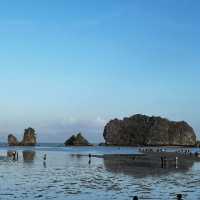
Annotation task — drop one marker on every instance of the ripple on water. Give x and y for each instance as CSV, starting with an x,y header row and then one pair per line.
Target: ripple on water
x,y
72,178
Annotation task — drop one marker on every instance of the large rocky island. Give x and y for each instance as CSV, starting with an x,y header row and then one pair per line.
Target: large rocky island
x,y
148,131
29,138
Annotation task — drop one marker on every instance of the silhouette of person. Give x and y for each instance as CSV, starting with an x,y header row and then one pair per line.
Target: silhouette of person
x,y
45,157
89,162
179,196
14,155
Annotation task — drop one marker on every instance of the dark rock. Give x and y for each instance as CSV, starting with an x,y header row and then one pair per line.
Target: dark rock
x,y
198,143
12,140
145,130
29,139
77,140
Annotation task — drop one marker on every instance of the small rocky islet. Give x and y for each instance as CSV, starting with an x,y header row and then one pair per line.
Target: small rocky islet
x,y
77,140
29,138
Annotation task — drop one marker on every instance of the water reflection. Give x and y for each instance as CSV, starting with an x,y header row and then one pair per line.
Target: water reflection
x,y
28,156
140,168
76,156
108,177
14,155
9,154
44,164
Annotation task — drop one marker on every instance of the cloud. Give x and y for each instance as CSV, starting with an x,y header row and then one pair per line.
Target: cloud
x,y
62,129
56,130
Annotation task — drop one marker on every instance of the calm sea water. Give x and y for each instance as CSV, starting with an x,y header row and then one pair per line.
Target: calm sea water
x,y
67,175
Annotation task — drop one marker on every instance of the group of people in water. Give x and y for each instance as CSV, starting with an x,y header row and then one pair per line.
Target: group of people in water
x,y
166,160
151,150
178,197
161,150
14,155
184,152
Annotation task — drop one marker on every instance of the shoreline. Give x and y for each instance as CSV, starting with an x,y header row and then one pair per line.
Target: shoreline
x,y
97,145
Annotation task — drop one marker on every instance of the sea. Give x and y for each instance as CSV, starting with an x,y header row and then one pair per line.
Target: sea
x,y
69,174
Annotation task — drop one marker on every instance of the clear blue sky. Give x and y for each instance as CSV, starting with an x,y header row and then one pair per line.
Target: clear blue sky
x,y
72,65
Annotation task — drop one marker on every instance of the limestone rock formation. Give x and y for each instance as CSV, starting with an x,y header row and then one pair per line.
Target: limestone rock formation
x,y
77,140
145,130
12,140
29,139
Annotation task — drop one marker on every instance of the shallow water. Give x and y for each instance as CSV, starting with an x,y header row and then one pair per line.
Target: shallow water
x,y
68,175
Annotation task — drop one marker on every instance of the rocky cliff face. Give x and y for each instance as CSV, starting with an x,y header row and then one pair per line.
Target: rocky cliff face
x,y
145,130
12,140
29,139
77,140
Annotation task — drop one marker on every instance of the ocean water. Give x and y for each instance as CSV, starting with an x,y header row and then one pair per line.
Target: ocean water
x,y
67,174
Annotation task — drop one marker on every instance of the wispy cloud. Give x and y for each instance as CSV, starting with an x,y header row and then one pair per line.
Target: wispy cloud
x,y
57,130
60,130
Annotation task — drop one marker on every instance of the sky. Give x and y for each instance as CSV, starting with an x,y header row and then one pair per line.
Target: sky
x,y
72,65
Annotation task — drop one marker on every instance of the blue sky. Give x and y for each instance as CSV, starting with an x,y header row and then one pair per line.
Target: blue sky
x,y
68,66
